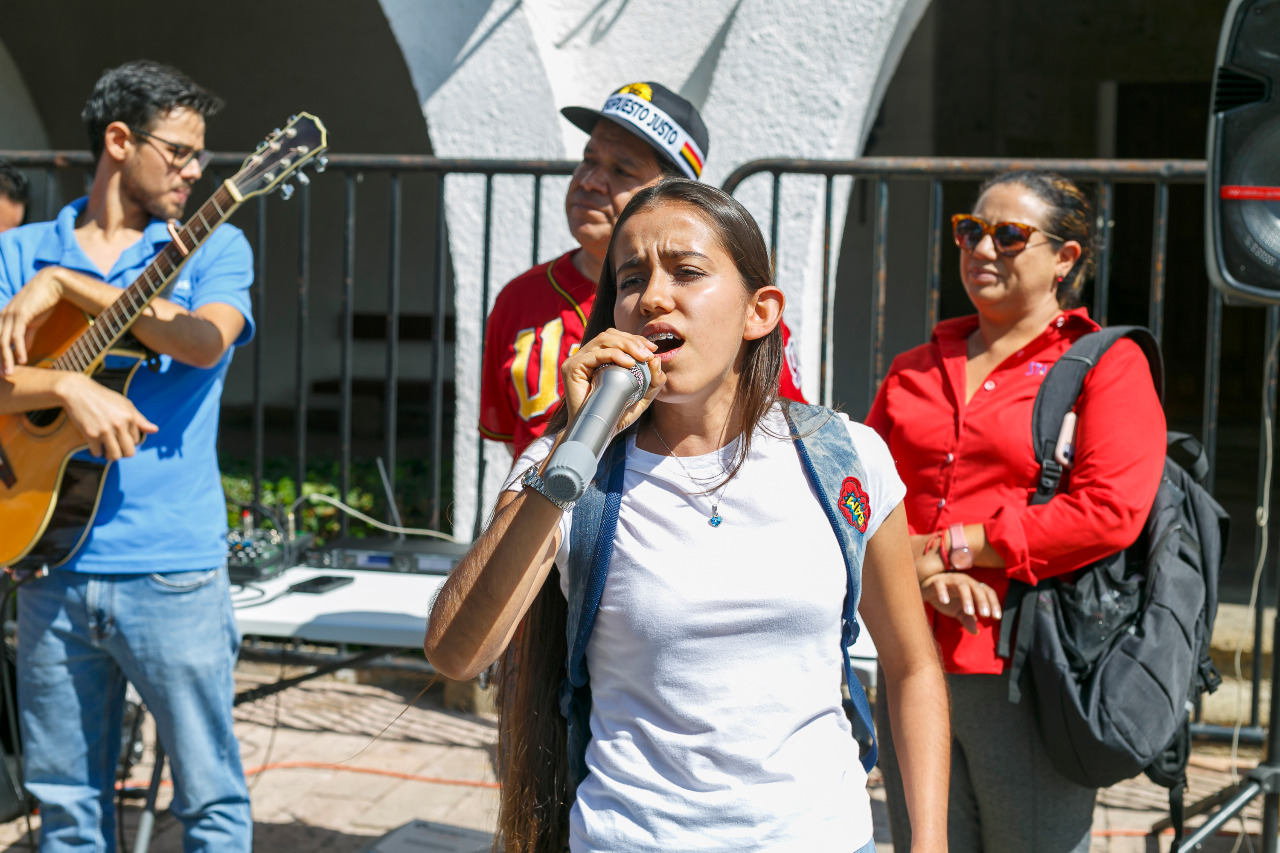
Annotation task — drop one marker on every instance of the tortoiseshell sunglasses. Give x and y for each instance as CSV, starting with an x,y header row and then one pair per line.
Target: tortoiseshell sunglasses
x,y
1009,238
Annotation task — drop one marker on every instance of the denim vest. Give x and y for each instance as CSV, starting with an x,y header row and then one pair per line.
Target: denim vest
x,y
830,462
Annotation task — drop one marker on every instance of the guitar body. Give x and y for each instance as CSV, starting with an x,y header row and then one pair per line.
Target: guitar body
x,y
47,498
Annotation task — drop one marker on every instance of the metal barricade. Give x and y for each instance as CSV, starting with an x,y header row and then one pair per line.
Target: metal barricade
x,y
877,173
350,169
1102,175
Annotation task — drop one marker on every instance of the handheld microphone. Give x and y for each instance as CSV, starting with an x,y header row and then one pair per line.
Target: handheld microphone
x,y
614,389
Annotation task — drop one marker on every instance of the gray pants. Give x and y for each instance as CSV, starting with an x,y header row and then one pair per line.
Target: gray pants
x,y
1005,795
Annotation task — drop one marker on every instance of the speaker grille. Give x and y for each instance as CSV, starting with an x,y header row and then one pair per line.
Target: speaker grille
x,y
1236,89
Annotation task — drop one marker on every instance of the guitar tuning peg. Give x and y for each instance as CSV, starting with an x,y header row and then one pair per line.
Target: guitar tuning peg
x,y
275,132
322,163
286,192
293,117
303,178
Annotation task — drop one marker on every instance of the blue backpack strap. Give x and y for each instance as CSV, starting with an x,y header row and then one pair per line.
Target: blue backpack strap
x,y
831,463
591,534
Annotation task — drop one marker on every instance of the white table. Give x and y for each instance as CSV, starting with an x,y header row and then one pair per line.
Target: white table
x,y
375,609
381,609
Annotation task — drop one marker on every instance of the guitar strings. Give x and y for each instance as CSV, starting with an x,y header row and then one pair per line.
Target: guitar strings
x,y
102,334
109,326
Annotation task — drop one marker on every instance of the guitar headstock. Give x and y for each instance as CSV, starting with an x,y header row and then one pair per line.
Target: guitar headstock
x,y
284,152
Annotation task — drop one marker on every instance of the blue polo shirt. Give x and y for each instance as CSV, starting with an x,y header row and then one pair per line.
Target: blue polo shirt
x,y
162,510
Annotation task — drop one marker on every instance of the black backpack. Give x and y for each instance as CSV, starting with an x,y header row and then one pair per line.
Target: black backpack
x,y
1117,653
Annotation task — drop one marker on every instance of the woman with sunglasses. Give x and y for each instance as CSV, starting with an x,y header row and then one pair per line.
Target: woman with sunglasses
x,y
956,414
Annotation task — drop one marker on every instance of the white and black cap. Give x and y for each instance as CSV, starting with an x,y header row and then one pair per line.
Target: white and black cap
x,y
669,123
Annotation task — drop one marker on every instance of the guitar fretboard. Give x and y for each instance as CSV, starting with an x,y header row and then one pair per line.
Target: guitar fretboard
x,y
109,326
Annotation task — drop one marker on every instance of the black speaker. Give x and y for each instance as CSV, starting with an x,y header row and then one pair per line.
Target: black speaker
x,y
1242,187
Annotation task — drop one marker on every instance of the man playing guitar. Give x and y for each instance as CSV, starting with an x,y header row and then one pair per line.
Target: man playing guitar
x,y
145,598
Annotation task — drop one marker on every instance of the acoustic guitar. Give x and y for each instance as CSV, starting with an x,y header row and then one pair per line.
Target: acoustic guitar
x,y
48,498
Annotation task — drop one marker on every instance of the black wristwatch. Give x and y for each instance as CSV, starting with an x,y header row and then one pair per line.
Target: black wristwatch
x,y
533,480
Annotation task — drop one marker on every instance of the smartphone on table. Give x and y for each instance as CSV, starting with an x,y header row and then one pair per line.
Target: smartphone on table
x,y
320,583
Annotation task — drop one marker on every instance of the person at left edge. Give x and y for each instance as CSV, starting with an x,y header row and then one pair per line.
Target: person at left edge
x,y
15,195
146,597
538,317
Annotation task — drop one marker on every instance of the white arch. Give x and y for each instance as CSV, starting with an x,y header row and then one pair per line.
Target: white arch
x,y
801,82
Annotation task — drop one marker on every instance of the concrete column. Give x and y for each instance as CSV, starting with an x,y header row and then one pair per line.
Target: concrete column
x,y
804,80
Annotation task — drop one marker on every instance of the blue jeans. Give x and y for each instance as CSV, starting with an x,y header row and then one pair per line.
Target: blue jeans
x,y
80,636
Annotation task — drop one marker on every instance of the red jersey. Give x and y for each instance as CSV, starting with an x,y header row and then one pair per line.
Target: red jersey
x,y
536,323
971,463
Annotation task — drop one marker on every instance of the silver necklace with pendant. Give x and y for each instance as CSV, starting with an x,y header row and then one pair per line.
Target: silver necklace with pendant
x,y
716,519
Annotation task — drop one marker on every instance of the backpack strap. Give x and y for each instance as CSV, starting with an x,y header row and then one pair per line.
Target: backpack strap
x,y
1058,395
1177,812
830,461
1169,770
1194,459
1019,609
1061,388
591,535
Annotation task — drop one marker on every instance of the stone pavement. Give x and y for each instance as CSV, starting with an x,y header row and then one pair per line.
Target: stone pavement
x,y
348,763
381,763
1126,812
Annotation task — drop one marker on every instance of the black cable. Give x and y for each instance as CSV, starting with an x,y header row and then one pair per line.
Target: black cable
x,y
275,723
260,600
265,510
237,588
120,839
14,773
135,733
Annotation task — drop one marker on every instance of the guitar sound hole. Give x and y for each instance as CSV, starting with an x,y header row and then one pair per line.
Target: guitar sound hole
x,y
43,417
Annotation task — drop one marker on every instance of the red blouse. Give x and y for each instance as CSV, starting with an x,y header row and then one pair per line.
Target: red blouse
x,y
972,462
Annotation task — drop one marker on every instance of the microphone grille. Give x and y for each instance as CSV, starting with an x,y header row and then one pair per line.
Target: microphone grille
x,y
641,373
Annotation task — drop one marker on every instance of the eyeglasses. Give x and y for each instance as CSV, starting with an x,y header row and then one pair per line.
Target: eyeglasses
x,y
179,155
1009,238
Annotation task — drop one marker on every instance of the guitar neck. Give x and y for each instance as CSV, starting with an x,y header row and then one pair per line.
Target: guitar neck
x,y
109,326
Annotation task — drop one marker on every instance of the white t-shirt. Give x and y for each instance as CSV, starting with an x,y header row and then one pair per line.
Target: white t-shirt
x,y
716,716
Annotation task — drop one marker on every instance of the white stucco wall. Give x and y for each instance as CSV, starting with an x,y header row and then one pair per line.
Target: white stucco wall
x,y
771,79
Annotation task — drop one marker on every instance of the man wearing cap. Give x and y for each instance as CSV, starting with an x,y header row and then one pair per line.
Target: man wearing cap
x,y
644,133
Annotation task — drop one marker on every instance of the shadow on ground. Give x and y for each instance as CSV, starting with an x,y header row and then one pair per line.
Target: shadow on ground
x,y
266,837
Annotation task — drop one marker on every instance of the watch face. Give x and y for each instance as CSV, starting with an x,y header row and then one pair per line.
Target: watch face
x,y
961,558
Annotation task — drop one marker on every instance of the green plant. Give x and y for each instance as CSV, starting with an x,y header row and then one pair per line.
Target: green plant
x,y
279,491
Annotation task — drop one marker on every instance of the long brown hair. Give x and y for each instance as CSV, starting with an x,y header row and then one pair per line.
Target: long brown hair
x,y
1070,217
532,750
